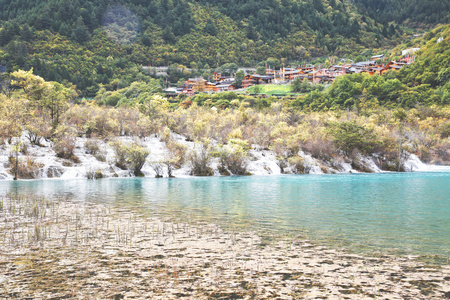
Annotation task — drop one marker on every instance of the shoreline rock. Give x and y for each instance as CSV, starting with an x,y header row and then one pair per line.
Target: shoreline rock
x,y
260,162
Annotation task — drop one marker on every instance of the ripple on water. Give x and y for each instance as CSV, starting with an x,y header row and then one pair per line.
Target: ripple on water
x,y
405,212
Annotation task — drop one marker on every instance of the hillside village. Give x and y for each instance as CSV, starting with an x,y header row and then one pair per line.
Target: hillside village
x,y
314,74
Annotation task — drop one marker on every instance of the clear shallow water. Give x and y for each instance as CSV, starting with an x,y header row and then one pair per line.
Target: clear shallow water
x,y
407,212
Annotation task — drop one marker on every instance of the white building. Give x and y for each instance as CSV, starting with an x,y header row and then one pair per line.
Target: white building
x,y
410,51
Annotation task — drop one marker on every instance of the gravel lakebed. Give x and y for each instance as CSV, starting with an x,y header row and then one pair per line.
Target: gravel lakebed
x,y
58,248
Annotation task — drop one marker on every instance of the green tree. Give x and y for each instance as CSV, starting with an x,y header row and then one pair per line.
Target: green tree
x,y
80,34
239,78
261,70
210,28
349,136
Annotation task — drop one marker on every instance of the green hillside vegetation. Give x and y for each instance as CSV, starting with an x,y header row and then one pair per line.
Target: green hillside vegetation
x,y
418,12
269,89
426,81
88,43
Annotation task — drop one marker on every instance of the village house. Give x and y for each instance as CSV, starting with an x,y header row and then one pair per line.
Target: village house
x,y
311,73
223,87
209,86
217,77
377,57
255,79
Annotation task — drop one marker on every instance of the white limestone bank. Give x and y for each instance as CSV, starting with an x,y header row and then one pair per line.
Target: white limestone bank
x,y
260,162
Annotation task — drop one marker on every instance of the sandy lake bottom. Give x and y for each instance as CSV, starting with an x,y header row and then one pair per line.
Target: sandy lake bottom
x,y
57,248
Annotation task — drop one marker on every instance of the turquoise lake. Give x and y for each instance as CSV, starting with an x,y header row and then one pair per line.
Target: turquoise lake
x,y
408,213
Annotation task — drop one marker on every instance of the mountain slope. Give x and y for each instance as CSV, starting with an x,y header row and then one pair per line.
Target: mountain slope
x,y
418,12
88,42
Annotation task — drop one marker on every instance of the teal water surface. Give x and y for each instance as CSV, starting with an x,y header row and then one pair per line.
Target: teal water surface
x,y
407,212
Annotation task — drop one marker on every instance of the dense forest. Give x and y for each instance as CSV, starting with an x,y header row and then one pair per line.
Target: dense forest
x,y
414,12
93,44
88,43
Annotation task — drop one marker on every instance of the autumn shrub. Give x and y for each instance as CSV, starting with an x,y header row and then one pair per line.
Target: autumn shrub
x,y
297,165
235,162
93,148
259,134
200,162
320,148
120,150
441,153
37,129
91,174
145,127
136,158
130,156
64,142
444,130
27,168
64,147
177,153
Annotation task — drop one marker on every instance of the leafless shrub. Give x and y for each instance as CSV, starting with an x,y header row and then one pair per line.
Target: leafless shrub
x,y
158,169
93,147
319,148
200,162
27,168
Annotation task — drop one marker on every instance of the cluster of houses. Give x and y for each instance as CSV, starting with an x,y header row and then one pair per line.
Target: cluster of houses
x,y
326,75
198,84
311,73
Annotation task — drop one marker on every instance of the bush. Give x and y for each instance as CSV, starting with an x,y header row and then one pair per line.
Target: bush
x,y
297,165
158,168
177,153
136,157
64,143
27,168
319,148
132,156
90,174
120,150
92,146
200,162
444,130
232,161
64,147
349,136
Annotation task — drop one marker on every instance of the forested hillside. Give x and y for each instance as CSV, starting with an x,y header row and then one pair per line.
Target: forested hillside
x,y
88,43
425,82
414,12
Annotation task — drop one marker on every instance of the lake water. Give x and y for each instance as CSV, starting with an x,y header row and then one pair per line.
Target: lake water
x,y
404,212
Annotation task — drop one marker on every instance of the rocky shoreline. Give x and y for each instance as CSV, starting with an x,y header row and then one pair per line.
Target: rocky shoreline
x,y
43,163
64,249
